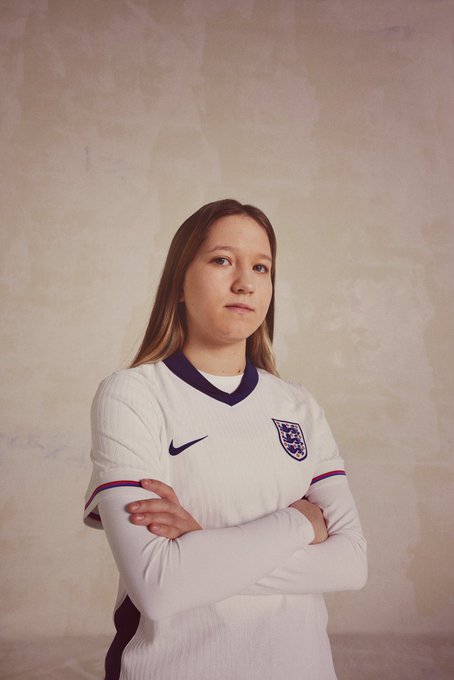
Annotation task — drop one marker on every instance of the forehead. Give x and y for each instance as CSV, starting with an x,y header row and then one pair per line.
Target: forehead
x,y
236,231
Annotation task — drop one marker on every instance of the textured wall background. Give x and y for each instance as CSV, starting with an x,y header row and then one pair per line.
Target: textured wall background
x,y
119,119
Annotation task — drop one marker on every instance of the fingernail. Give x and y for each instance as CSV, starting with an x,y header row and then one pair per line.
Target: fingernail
x,y
139,517
147,482
133,507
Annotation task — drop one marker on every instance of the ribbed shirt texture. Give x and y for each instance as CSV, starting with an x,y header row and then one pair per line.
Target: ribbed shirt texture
x,y
241,599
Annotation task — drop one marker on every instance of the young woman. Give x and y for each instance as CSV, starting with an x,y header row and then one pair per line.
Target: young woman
x,y
201,458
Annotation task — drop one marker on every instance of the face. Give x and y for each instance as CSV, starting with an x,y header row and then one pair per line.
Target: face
x,y
227,288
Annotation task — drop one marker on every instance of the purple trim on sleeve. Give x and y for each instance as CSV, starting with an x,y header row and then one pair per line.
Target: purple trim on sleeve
x,y
111,485
183,369
325,475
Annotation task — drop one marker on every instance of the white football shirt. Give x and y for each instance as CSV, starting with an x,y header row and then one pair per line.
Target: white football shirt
x,y
242,598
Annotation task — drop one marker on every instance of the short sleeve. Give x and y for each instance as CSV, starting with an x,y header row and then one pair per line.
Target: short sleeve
x,y
329,464
125,431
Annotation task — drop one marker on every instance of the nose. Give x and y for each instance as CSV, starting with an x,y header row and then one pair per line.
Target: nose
x,y
244,283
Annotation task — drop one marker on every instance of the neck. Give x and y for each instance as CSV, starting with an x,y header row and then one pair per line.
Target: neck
x,y
217,361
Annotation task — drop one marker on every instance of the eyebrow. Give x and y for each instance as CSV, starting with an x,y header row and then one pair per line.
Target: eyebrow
x,y
262,256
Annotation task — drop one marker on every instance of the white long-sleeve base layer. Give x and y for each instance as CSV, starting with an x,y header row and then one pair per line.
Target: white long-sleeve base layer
x,y
240,599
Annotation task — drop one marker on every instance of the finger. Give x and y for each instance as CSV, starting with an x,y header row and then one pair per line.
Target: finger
x,y
142,518
165,531
152,505
166,519
159,488
148,518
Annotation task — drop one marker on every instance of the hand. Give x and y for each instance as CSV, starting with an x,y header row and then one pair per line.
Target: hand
x,y
163,516
315,517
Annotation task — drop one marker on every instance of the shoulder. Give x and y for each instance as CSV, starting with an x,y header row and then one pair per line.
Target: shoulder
x,y
128,386
125,378
298,393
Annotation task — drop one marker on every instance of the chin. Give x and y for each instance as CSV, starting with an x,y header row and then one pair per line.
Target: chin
x,y
236,338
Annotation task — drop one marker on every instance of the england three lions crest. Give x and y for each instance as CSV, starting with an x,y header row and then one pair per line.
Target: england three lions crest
x,y
292,438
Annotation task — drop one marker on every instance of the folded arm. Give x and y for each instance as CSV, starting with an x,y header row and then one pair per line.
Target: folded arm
x,y
164,577
339,563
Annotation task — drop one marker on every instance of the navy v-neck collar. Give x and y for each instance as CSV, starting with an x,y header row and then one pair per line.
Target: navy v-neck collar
x,y
182,367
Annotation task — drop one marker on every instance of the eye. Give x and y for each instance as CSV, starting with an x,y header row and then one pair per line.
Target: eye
x,y
261,268
222,261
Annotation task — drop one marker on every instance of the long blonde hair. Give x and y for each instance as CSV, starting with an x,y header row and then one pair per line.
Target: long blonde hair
x,y
166,330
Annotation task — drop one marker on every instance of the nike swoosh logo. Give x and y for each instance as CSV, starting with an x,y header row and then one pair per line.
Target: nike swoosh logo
x,y
175,450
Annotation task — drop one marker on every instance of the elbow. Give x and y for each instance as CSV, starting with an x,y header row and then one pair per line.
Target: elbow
x,y
360,577
156,605
148,606
360,572
154,611
160,593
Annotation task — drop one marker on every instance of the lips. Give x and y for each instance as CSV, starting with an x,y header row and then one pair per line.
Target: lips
x,y
240,307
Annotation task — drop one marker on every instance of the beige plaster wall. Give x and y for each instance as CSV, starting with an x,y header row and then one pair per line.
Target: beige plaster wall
x,y
120,118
